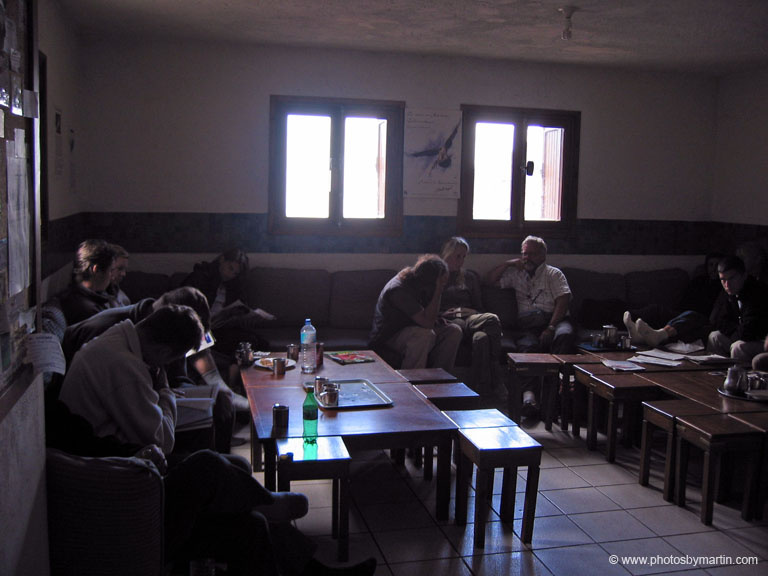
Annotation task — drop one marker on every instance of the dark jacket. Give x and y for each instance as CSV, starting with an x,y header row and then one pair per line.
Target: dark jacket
x,y
748,322
79,303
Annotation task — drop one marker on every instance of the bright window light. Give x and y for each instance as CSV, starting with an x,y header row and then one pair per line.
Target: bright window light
x,y
494,145
365,150
308,166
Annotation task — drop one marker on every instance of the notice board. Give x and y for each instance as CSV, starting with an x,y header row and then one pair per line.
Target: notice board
x,y
19,193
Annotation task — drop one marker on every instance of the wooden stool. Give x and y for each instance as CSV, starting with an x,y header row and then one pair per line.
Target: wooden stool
x,y
450,395
427,375
489,448
572,398
617,389
544,366
445,396
715,434
661,415
483,418
330,460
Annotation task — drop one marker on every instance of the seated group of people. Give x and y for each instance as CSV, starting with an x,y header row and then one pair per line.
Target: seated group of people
x,y
425,312
116,399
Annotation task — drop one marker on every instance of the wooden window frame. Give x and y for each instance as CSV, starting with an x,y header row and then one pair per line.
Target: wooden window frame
x,y
336,224
570,121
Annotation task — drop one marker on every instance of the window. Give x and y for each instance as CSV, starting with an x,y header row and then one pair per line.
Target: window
x,y
519,170
336,166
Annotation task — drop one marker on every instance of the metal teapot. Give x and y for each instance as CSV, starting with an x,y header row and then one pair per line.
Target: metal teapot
x,y
736,380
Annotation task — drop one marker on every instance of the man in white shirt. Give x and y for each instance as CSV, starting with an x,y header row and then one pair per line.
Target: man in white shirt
x,y
543,297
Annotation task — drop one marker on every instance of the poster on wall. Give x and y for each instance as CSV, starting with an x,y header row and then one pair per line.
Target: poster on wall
x,y
432,154
18,214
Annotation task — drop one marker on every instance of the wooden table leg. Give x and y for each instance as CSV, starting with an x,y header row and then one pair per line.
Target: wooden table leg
x,y
611,430
443,481
591,420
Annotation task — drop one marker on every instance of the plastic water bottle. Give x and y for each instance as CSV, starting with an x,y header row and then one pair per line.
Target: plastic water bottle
x,y
308,348
309,418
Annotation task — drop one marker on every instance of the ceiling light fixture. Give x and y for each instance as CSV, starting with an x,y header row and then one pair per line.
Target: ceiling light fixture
x,y
567,12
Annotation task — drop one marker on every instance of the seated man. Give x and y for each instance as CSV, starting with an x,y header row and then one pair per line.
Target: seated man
x,y
738,322
543,296
740,315
226,400
407,317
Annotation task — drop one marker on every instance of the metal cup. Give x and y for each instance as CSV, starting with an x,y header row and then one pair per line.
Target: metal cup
x,y
278,366
320,382
292,352
330,394
280,417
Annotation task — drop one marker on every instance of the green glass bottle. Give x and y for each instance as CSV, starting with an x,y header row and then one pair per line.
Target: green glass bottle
x,y
309,416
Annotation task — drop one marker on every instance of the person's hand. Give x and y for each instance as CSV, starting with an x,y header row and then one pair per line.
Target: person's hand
x,y
765,344
546,337
515,263
153,453
451,313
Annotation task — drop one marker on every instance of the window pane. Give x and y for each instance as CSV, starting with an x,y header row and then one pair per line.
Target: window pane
x,y
308,166
543,189
365,154
493,171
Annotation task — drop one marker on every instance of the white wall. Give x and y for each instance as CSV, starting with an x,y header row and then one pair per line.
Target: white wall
x,y
60,48
173,125
742,150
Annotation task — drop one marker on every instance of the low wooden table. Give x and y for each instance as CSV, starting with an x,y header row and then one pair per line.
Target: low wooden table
x,y
410,421
254,376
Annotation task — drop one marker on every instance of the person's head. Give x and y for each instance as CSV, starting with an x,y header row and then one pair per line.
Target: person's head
x,y
425,273
732,274
168,333
454,252
710,264
533,252
187,296
120,267
754,258
93,264
232,264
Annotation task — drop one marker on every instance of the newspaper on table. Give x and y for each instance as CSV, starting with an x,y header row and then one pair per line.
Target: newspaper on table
x,y
645,359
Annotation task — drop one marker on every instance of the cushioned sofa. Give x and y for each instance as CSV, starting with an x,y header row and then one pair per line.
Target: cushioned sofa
x,y
341,304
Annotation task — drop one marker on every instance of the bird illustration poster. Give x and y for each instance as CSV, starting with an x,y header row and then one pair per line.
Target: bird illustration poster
x,y
432,155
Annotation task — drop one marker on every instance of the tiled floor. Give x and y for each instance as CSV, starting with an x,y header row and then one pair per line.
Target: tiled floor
x,y
587,511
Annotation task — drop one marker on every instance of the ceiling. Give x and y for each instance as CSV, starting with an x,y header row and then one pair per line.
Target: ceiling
x,y
703,36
